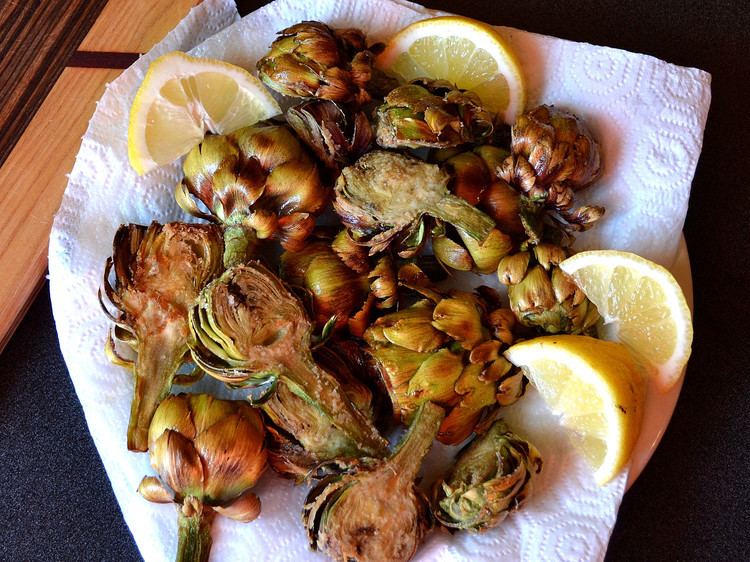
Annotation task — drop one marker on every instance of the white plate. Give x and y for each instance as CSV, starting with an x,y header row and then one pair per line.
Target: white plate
x,y
638,105
660,405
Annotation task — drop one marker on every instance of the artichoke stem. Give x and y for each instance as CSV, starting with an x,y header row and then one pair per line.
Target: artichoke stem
x,y
418,440
194,533
155,367
462,214
238,245
325,391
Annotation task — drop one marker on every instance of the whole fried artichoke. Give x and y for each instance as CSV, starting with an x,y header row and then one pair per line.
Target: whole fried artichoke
x,y
553,155
310,59
159,271
338,291
252,332
383,198
431,113
493,476
258,182
542,295
208,454
374,511
446,349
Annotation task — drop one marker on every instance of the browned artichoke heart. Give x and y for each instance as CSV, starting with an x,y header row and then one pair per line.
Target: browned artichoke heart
x,y
431,113
375,512
446,349
310,59
208,454
258,182
384,195
336,137
159,271
493,476
250,331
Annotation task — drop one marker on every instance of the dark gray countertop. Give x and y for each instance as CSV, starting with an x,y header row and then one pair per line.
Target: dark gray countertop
x,y
692,502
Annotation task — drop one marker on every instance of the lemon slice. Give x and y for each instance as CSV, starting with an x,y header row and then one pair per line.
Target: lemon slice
x,y
183,97
641,305
597,389
468,53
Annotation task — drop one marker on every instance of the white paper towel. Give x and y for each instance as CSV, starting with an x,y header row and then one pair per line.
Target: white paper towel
x,y
649,117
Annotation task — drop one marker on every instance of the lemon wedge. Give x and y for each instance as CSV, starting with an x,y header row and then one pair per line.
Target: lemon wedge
x,y
183,97
596,387
642,306
468,53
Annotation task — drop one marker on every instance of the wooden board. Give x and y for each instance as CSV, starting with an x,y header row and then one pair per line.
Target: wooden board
x,y
33,176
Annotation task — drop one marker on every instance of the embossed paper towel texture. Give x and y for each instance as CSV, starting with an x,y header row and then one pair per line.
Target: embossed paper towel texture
x,y
649,117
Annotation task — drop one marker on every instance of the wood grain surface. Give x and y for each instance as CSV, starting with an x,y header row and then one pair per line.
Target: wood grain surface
x,y
44,111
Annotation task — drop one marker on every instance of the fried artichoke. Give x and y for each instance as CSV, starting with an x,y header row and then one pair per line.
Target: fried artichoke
x,y
446,349
493,476
317,441
251,332
553,155
338,292
258,182
159,271
542,295
431,113
374,511
310,59
335,136
208,454
383,197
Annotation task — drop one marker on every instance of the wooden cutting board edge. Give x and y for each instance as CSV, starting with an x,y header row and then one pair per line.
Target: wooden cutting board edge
x,y
35,172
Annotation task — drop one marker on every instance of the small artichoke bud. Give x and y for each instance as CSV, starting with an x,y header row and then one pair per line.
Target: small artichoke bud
x,y
310,59
209,452
512,268
492,477
431,114
336,290
470,176
549,299
558,146
459,366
